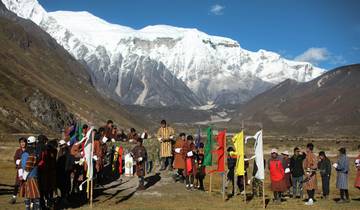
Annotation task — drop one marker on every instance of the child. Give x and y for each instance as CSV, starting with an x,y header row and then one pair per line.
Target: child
x,y
139,154
200,175
190,167
231,162
17,160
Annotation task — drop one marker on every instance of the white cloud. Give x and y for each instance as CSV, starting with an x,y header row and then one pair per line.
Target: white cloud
x,y
217,9
314,55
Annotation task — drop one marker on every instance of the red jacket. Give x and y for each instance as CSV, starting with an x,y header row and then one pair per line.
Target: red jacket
x,y
276,170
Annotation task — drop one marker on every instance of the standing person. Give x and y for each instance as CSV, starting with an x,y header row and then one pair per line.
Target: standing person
x,y
286,165
165,136
310,166
201,173
179,158
108,128
231,164
139,154
29,175
257,184
17,161
324,167
357,165
277,173
50,171
342,175
190,167
41,155
63,171
297,172
133,136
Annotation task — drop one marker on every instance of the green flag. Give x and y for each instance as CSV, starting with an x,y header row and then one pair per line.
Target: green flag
x,y
208,148
79,131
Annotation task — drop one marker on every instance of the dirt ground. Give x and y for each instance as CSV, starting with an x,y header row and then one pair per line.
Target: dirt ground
x,y
163,193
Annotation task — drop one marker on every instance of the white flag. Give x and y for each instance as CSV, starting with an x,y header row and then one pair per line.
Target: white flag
x,y
88,155
259,154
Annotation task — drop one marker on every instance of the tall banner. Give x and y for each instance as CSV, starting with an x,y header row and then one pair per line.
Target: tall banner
x,y
238,141
259,154
208,148
89,154
220,151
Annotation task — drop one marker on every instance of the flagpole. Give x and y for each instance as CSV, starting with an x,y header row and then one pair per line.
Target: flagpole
x,y
224,187
92,168
244,182
263,186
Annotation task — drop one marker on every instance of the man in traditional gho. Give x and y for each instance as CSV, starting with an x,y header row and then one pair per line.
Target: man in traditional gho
x,y
133,136
63,171
310,167
342,175
108,129
190,167
17,161
357,165
297,172
165,136
324,167
277,174
179,160
139,154
29,176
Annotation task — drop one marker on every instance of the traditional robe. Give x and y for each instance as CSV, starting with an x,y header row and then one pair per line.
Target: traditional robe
x,y
357,179
310,166
342,174
139,152
179,160
165,142
190,166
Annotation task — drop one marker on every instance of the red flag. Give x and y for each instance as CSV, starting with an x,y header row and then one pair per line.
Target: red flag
x,y
220,151
120,152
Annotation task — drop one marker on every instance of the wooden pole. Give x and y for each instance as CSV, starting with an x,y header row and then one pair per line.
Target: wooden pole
x,y
263,187
210,187
244,182
92,170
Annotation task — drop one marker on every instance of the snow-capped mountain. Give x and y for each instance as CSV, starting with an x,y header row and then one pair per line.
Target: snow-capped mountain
x,y
203,67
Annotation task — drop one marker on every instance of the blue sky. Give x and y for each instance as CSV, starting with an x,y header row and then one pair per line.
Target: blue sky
x,y
323,32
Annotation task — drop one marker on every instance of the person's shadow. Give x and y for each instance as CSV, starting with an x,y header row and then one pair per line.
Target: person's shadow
x,y
151,180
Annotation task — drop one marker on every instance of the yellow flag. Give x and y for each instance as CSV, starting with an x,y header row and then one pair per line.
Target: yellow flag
x,y
238,141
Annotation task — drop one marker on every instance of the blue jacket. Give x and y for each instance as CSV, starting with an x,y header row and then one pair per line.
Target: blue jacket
x,y
34,172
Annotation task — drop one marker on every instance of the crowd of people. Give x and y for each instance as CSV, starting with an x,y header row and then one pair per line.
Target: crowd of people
x,y
296,175
56,167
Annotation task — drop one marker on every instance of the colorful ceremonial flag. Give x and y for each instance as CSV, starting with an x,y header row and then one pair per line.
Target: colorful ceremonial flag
x,y
88,155
238,141
220,151
208,148
259,154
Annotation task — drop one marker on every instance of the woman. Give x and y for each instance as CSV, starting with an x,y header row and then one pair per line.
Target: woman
x,y
29,175
357,165
342,169
277,174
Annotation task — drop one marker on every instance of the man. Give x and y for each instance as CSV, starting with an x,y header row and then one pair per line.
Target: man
x,y
179,160
342,169
17,160
108,128
257,184
286,165
324,167
297,172
133,136
63,171
231,164
310,181
29,175
165,136
139,154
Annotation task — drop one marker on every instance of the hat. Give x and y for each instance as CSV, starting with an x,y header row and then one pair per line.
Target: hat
x,y
62,142
31,140
285,153
274,151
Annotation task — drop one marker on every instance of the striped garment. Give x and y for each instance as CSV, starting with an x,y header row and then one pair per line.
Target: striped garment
x,y
166,144
30,189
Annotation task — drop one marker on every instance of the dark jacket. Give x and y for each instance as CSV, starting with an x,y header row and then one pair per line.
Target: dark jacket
x,y
296,165
324,167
